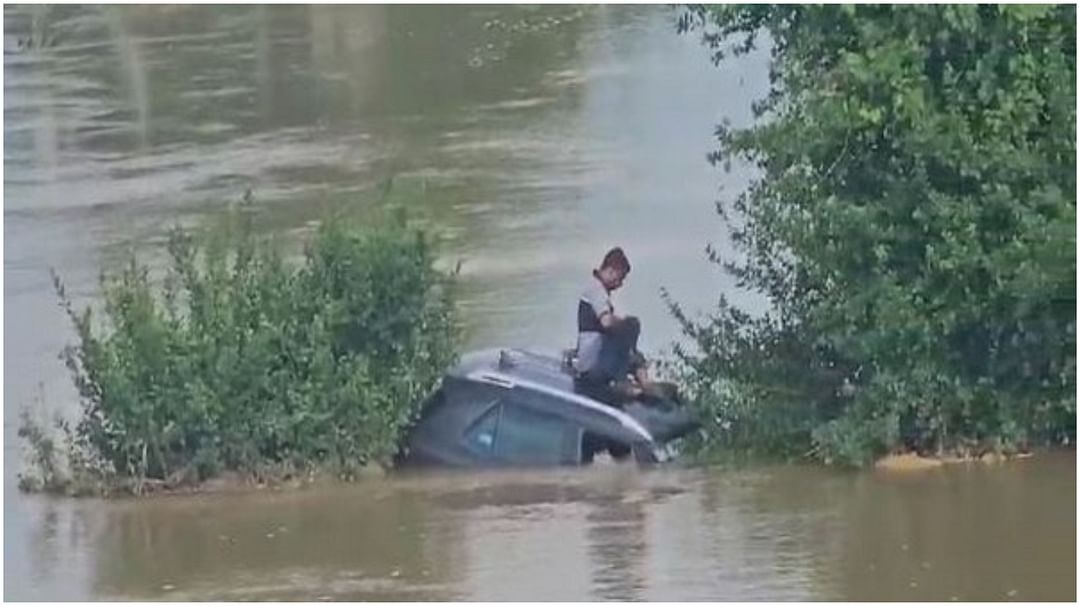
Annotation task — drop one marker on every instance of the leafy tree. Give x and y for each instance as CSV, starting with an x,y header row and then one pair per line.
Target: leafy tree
x,y
913,225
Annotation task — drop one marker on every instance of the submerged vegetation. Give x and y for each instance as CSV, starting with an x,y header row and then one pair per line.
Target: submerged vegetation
x,y
239,360
913,225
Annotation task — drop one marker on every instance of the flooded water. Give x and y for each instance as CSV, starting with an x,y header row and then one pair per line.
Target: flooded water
x,y
609,532
534,138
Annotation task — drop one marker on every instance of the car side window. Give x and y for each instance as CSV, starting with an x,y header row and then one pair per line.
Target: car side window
x,y
480,436
529,437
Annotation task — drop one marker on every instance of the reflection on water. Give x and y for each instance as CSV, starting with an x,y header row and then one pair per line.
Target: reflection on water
x,y
610,532
540,136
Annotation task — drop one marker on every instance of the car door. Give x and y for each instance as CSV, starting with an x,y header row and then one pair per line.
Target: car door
x,y
512,433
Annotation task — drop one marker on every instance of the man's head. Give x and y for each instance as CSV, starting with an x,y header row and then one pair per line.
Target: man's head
x,y
613,269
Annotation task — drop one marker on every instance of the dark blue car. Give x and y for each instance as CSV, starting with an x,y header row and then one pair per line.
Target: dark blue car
x,y
503,407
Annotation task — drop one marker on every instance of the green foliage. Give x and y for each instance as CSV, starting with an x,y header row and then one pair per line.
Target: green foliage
x,y
238,361
43,457
72,470
914,227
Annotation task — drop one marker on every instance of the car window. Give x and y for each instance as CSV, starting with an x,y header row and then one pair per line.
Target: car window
x,y
528,437
480,436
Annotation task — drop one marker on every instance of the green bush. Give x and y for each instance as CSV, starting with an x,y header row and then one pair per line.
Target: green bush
x,y
913,226
241,361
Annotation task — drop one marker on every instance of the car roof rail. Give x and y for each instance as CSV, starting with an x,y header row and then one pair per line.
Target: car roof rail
x,y
509,358
505,361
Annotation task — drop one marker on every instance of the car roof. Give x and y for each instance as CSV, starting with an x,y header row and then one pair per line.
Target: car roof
x,y
517,364
534,371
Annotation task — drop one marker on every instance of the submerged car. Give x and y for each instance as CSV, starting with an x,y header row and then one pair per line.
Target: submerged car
x,y
503,407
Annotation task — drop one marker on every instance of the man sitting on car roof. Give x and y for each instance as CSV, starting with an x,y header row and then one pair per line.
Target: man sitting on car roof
x,y
609,366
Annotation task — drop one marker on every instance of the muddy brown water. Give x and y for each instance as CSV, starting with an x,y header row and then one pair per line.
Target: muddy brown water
x,y
536,137
608,532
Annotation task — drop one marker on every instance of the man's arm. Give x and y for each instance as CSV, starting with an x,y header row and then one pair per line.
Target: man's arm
x,y
608,319
601,306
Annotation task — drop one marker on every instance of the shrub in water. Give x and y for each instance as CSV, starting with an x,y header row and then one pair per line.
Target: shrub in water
x,y
241,361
